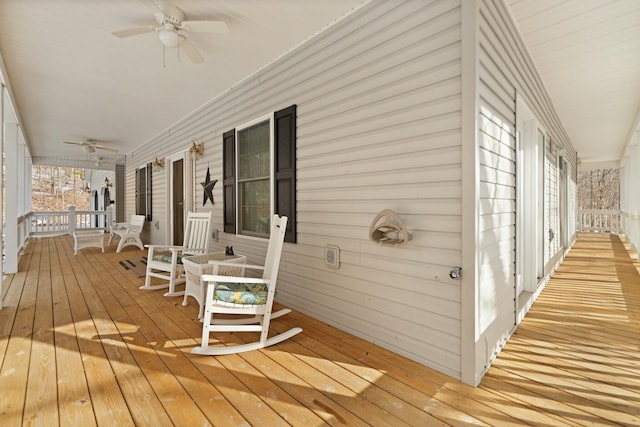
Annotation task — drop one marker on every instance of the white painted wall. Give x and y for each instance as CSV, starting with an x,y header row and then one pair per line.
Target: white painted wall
x,y
629,202
506,70
379,99
378,128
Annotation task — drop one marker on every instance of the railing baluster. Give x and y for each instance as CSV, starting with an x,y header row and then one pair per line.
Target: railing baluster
x,y
599,220
66,222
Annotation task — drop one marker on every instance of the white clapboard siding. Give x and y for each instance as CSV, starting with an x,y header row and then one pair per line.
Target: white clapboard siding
x,y
378,127
496,250
506,69
497,204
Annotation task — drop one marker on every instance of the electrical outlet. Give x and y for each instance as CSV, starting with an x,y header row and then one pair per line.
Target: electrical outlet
x,y
332,256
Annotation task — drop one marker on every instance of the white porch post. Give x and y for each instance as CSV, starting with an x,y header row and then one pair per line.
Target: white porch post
x,y
11,132
25,188
634,202
1,187
72,219
470,178
630,203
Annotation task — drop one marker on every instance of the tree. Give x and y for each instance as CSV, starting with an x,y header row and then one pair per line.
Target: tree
x,y
599,189
54,188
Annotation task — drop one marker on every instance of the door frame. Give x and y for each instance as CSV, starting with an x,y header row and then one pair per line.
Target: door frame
x,y
187,188
563,194
529,200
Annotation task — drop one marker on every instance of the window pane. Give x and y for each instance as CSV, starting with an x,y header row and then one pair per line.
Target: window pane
x,y
255,207
253,151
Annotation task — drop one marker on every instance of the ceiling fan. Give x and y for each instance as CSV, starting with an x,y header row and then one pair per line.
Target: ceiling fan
x,y
91,145
172,29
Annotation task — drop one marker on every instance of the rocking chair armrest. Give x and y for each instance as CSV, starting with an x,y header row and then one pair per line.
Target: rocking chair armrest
x,y
236,264
165,247
190,251
233,279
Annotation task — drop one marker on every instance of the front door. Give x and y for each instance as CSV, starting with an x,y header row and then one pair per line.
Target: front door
x,y
95,207
177,191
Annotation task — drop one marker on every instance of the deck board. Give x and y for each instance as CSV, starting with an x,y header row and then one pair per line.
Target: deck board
x,y
80,344
42,380
74,399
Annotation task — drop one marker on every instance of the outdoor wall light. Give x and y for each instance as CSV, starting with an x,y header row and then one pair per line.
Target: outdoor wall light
x,y
107,183
197,148
158,164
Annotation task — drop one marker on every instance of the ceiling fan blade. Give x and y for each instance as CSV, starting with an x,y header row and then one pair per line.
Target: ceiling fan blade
x,y
217,27
74,143
128,32
191,51
102,147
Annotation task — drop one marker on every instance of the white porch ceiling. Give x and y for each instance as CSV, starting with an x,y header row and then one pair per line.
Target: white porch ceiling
x,y
588,53
72,79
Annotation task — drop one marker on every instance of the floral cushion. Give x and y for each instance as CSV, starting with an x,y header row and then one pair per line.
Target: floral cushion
x,y
241,293
166,257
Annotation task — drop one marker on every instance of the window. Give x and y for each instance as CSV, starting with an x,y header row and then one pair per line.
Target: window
x,y
253,145
143,191
262,153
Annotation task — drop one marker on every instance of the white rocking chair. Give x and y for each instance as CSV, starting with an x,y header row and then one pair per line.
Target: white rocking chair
x,y
165,262
127,232
246,296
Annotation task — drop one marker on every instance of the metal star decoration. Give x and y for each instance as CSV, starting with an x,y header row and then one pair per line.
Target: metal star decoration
x,y
208,188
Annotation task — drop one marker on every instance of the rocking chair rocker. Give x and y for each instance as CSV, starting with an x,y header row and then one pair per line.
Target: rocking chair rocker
x,y
246,296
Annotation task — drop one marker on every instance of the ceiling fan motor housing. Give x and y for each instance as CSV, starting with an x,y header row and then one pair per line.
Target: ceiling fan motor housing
x,y
171,22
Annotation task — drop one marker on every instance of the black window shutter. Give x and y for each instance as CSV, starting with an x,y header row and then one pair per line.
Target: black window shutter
x,y
139,187
148,193
229,180
285,168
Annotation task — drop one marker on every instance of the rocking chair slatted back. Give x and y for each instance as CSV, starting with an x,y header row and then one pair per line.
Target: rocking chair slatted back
x,y
164,262
196,235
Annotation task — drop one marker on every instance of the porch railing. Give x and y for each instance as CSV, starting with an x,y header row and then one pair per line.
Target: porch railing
x,y
70,221
599,220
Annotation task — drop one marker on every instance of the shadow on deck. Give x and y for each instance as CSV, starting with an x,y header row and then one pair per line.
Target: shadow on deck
x,y
80,344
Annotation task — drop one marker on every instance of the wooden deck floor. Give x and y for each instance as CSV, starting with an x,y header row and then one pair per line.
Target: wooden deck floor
x,y
81,345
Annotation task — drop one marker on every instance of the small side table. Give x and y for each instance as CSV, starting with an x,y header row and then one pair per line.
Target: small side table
x,y
197,265
85,239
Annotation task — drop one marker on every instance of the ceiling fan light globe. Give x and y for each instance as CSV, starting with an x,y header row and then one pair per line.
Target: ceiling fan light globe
x,y
169,38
